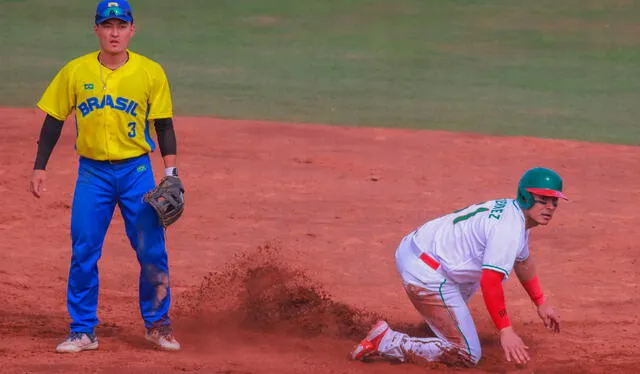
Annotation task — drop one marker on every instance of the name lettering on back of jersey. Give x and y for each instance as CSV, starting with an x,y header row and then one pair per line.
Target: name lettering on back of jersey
x,y
497,209
119,103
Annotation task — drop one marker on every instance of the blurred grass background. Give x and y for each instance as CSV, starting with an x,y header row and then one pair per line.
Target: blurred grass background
x,y
561,69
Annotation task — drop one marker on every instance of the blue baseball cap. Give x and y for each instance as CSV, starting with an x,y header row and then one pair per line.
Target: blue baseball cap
x,y
119,9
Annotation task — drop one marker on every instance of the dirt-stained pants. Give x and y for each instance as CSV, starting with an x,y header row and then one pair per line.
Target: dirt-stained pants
x,y
443,305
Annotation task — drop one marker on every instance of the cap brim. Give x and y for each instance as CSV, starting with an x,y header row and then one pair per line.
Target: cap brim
x,y
547,192
122,18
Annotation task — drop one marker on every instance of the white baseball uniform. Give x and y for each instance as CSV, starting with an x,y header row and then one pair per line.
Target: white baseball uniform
x,y
441,264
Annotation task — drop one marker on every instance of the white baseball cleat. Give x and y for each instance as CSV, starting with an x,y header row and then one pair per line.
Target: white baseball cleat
x,y
369,345
162,337
78,342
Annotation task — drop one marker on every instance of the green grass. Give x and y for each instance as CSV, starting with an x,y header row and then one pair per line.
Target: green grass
x,y
565,69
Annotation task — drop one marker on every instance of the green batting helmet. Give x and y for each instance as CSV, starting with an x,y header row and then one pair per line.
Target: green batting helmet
x,y
539,181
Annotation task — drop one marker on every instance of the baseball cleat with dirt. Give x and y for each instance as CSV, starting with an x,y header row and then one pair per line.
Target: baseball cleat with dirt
x,y
162,337
78,342
369,345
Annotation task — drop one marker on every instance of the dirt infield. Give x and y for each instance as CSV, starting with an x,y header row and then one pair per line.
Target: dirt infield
x,y
285,252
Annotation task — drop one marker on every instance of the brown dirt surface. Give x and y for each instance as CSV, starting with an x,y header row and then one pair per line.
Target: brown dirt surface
x,y
284,256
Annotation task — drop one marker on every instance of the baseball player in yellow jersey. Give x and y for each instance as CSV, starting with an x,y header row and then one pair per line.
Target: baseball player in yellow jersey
x,y
117,96
446,260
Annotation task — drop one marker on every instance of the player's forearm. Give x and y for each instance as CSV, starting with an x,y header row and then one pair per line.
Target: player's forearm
x,y
167,143
49,135
493,295
166,138
526,272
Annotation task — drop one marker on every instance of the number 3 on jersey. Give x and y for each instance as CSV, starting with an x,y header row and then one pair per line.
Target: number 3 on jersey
x,y
132,129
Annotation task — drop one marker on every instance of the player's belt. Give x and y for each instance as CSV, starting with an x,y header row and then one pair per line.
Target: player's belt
x,y
122,161
117,162
430,261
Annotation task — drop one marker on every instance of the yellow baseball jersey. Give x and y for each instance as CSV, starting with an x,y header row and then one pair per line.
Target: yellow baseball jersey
x,y
114,110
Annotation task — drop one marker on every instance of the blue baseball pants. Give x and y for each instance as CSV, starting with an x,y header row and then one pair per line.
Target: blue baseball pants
x,y
99,188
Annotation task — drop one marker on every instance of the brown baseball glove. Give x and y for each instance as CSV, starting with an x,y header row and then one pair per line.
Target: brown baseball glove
x,y
167,198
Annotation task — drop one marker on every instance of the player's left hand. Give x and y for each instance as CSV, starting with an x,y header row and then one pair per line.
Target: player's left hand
x,y
167,198
550,317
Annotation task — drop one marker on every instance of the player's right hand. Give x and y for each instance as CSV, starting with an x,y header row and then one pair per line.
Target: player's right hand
x,y
550,317
514,348
37,182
